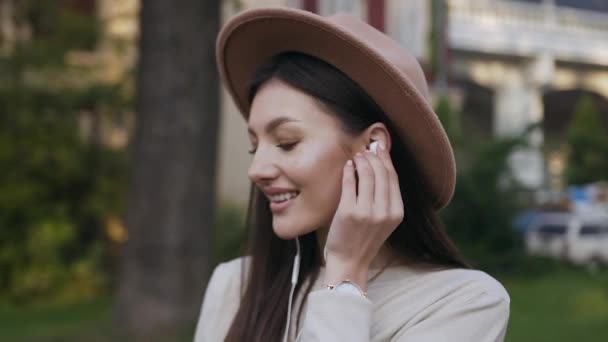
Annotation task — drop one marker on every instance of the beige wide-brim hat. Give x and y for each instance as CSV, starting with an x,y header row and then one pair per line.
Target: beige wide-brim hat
x,y
386,71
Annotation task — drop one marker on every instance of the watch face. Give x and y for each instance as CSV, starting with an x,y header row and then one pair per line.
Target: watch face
x,y
348,287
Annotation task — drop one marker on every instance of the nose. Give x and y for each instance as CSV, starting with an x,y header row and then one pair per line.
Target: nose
x,y
262,168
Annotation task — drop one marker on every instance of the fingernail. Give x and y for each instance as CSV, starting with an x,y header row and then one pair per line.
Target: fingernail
x,y
349,163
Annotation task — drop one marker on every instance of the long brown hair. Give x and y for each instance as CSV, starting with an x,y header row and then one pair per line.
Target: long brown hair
x,y
420,239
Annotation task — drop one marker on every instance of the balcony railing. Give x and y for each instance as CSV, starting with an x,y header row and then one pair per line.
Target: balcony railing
x,y
530,14
527,28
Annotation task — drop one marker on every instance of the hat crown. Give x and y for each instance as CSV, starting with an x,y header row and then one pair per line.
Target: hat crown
x,y
385,46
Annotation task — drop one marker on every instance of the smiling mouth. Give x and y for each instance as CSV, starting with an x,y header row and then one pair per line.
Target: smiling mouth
x,y
280,203
281,198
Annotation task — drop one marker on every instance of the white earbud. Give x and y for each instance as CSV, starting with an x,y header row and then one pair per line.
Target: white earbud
x,y
374,147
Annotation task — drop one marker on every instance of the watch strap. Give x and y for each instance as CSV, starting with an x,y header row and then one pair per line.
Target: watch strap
x,y
348,282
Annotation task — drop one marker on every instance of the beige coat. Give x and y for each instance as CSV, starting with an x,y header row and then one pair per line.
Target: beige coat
x,y
402,305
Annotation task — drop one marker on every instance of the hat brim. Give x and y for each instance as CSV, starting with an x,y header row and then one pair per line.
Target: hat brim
x,y
250,39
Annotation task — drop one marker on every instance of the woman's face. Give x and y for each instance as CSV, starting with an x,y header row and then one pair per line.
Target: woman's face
x,y
300,150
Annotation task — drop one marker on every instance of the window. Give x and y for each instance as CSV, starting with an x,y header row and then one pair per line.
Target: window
x,y
593,230
590,230
552,229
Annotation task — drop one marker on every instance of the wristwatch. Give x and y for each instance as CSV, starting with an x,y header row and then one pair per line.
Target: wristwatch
x,y
347,286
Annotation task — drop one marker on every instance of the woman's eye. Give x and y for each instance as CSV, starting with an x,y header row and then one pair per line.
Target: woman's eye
x,y
284,147
287,147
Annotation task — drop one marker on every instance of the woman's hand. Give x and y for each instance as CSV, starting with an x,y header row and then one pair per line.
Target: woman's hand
x,y
365,217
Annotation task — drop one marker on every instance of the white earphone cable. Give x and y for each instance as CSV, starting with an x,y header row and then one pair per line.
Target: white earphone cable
x,y
294,280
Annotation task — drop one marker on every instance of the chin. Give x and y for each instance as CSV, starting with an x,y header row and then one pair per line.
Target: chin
x,y
286,231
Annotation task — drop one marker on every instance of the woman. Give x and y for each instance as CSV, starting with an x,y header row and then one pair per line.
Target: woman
x,y
372,261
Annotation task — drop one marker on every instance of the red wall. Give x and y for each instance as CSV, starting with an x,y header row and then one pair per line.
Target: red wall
x,y
311,5
375,13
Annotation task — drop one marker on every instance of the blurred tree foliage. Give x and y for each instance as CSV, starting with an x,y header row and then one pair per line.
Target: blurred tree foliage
x,y
588,145
485,200
58,188
229,233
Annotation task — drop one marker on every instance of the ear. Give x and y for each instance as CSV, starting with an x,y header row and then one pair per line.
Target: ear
x,y
377,132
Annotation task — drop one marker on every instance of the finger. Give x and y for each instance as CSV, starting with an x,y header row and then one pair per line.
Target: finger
x,y
395,197
396,206
385,156
366,182
349,185
381,191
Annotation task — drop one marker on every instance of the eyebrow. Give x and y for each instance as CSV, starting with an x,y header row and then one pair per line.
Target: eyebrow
x,y
273,124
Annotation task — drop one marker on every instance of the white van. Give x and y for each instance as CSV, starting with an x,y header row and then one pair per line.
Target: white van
x,y
582,240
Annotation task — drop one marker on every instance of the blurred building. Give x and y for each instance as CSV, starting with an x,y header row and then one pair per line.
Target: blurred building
x,y
114,55
508,64
120,29
109,62
520,62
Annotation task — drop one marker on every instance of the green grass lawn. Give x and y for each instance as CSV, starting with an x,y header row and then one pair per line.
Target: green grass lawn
x,y
83,321
88,321
564,306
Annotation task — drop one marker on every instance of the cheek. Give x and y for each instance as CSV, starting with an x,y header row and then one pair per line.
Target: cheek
x,y
319,174
317,159
318,167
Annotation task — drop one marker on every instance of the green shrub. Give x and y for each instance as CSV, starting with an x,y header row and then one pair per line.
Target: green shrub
x,y
588,145
485,199
57,191
230,235
57,188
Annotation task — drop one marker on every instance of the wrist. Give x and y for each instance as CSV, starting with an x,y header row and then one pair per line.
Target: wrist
x,y
339,271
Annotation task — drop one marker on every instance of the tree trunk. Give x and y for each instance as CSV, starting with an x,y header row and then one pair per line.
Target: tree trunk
x,y
166,259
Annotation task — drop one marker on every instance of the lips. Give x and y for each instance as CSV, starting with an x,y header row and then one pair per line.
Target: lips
x,y
280,198
273,190
283,196
280,206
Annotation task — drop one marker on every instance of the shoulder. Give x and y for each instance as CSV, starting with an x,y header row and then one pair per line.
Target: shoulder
x,y
467,282
451,304
464,293
221,300
442,287
227,277
230,270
